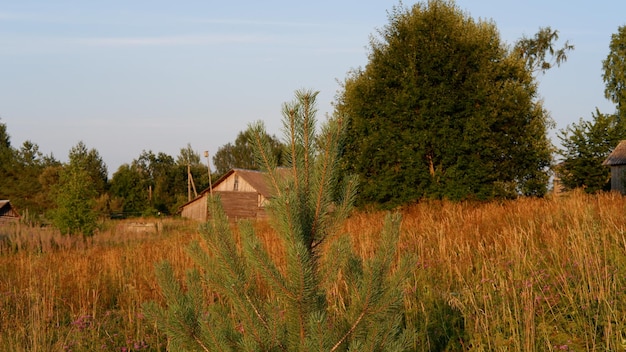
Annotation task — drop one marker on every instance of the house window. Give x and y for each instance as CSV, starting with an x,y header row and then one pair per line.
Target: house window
x,y
236,183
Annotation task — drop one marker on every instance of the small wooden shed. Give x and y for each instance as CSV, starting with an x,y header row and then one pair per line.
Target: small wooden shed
x,y
243,194
7,212
617,162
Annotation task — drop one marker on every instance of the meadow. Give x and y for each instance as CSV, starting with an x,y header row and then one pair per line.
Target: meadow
x,y
521,275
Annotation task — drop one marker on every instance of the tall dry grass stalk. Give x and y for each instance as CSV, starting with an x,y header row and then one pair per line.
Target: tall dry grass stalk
x,y
528,274
63,293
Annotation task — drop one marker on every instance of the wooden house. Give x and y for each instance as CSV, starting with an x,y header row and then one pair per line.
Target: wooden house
x,y
617,162
7,212
243,195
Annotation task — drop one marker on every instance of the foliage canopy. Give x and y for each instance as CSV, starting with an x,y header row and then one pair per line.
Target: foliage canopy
x,y
444,109
80,182
614,75
586,144
156,183
21,172
241,154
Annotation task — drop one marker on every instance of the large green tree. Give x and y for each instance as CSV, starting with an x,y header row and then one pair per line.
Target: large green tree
x,y
5,143
130,189
445,109
191,176
90,161
75,198
155,183
158,172
586,145
241,153
7,165
30,194
614,75
81,181
20,171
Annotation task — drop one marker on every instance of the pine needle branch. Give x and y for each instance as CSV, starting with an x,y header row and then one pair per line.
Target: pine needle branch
x,y
322,190
200,343
350,331
264,308
256,311
266,267
289,112
263,153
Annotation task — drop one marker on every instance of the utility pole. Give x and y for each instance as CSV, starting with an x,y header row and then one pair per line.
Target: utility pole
x,y
188,182
208,166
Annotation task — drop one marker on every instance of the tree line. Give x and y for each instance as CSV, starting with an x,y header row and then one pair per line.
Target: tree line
x,y
443,109
75,194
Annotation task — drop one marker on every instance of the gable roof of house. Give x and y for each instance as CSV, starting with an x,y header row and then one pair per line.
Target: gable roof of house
x,y
617,156
6,210
256,179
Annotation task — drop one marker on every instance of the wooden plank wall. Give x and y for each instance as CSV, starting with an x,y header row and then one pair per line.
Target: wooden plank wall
x,y
229,185
618,178
197,210
239,205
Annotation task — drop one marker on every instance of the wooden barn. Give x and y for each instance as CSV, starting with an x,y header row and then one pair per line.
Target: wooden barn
x,y
7,212
617,162
243,194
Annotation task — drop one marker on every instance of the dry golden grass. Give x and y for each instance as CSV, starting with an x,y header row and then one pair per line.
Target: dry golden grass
x,y
529,274
59,292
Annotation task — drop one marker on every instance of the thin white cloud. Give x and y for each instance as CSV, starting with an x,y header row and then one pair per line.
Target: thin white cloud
x,y
180,40
239,22
17,16
145,19
30,17
37,45
7,16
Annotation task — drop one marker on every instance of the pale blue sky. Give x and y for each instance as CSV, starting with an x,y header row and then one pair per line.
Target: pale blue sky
x,y
133,75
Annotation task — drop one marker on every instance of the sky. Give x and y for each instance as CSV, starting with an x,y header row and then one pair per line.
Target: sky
x,y
126,76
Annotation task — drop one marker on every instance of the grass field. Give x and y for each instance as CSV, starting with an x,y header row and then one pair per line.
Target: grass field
x,y
529,274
